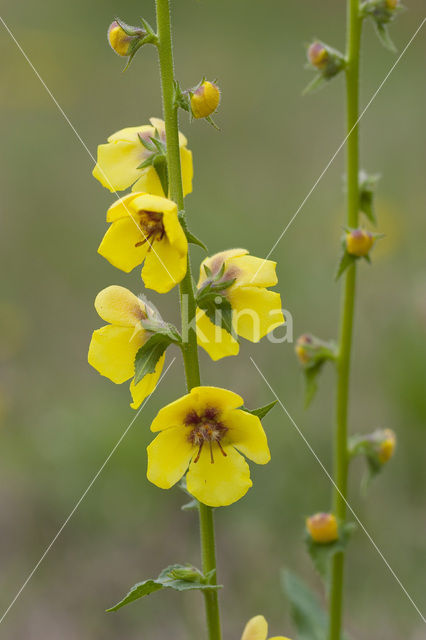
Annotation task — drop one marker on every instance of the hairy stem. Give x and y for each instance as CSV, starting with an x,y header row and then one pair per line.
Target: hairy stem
x,y
354,24
187,298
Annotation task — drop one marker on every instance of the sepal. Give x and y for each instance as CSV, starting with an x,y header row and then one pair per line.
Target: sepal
x,y
367,187
210,297
382,13
261,412
322,553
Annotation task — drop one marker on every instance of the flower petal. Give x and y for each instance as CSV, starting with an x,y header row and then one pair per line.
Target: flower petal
x,y
174,231
247,435
150,202
112,351
119,306
144,387
149,182
131,134
164,266
199,398
222,482
122,208
255,629
257,311
169,455
216,341
187,170
118,245
253,271
215,262
117,164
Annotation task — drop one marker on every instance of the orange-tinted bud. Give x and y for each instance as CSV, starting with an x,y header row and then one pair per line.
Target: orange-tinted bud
x,y
205,99
301,351
322,528
392,4
359,242
387,446
318,55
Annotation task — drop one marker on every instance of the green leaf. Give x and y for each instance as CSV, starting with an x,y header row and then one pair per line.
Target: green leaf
x,y
218,309
194,240
159,163
317,83
322,554
162,328
178,577
345,262
261,412
149,354
308,616
311,386
384,37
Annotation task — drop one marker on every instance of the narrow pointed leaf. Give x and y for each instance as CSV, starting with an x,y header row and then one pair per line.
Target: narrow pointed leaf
x,y
149,354
261,412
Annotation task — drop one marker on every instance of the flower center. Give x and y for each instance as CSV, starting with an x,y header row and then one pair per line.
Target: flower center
x,y
152,227
205,428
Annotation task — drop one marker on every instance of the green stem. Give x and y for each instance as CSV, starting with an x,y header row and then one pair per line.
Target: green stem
x,y
347,313
186,287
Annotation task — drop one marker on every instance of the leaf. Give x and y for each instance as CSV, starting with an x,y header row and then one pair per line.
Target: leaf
x,y
261,412
149,354
311,386
322,554
384,37
308,616
219,310
345,262
194,240
167,579
159,163
317,83
163,328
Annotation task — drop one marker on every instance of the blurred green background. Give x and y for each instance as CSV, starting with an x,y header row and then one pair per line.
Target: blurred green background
x,y
60,419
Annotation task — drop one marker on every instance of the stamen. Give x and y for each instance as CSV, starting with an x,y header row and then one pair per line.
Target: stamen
x,y
199,452
220,447
211,452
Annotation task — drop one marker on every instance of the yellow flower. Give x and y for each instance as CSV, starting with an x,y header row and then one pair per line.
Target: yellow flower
x,y
145,228
322,528
359,242
255,310
387,446
205,99
120,159
113,348
207,432
257,629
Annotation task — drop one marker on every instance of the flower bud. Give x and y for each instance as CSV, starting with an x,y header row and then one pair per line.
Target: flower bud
x,y
386,446
322,528
122,40
318,55
392,4
205,99
302,352
359,242
189,574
